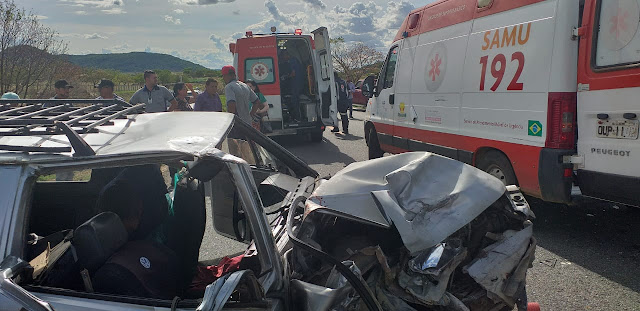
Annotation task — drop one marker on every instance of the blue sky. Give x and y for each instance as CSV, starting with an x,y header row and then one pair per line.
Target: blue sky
x,y
200,30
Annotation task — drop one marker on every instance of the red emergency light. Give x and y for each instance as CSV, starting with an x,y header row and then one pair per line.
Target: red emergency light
x,y
299,32
249,34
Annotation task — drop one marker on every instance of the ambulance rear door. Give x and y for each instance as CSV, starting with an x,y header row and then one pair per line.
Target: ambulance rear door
x,y
328,104
608,106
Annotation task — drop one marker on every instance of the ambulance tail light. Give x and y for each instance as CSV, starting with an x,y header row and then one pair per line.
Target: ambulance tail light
x,y
561,120
299,32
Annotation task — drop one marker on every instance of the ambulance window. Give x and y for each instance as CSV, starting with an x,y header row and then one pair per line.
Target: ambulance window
x,y
618,38
390,69
259,70
324,66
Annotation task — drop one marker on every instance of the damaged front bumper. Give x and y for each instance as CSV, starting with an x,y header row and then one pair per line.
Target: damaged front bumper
x,y
414,231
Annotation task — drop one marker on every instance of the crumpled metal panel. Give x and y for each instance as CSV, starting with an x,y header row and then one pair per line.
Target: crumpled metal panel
x,y
426,196
494,268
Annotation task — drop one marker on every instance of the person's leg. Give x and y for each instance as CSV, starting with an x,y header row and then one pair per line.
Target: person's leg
x,y
295,100
345,122
351,108
64,176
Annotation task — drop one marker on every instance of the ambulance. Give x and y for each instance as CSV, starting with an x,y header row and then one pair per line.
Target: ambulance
x,y
259,57
540,93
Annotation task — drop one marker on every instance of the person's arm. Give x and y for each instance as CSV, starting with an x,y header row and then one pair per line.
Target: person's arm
x,y
194,94
263,100
173,106
169,97
257,104
231,98
198,105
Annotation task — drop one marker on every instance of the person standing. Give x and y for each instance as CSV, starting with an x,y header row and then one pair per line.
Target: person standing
x,y
239,96
63,90
352,89
258,121
296,80
209,100
106,87
180,93
156,97
343,104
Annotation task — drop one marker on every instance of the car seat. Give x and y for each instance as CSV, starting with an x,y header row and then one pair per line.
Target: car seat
x,y
140,268
146,180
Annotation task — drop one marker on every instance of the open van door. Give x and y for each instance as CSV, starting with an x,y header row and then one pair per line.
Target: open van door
x,y
328,105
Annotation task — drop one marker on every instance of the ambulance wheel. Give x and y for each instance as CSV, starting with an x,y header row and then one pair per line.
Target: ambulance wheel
x,y
374,146
497,165
316,137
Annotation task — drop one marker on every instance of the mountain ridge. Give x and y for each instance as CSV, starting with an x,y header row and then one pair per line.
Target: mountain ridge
x,y
133,62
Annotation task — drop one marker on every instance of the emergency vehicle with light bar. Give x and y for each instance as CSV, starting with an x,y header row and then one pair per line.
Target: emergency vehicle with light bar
x,y
539,93
259,57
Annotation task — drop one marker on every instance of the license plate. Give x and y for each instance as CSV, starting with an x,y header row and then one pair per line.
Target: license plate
x,y
620,129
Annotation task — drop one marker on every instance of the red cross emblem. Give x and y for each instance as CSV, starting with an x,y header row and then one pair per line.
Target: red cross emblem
x,y
619,23
435,67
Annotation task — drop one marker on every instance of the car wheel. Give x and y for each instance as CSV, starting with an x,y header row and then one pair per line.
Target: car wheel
x,y
316,137
374,146
497,165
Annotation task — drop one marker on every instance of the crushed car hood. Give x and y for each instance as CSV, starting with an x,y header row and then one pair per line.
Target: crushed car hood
x,y
427,197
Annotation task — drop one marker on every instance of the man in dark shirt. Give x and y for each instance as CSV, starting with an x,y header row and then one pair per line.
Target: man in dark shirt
x,y
62,88
209,100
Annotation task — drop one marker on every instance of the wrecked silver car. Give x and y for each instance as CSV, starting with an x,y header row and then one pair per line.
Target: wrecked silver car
x,y
105,207
414,231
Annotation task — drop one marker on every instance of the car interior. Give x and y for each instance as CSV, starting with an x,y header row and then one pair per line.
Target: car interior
x,y
84,241
298,48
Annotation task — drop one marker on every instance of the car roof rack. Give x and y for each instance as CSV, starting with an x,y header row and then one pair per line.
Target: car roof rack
x,y
69,117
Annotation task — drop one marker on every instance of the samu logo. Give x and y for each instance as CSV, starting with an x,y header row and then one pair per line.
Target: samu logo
x,y
401,113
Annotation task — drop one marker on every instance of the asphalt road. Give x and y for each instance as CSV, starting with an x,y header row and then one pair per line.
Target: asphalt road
x,y
588,256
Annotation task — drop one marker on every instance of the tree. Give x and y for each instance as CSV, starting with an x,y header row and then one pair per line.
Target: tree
x,y
30,53
355,60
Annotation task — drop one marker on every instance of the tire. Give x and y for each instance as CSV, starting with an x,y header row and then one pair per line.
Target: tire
x,y
316,137
497,165
374,146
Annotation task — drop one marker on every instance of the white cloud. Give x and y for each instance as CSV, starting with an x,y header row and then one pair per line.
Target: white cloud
x,y
41,17
80,12
178,11
95,3
200,2
114,11
171,19
123,48
94,36
315,3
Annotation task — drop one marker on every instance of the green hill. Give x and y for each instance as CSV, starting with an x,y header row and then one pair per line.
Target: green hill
x,y
133,62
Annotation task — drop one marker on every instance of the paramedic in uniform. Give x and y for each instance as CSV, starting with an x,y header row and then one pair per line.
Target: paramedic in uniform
x,y
156,97
343,104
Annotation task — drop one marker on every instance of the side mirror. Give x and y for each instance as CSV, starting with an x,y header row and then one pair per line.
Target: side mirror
x,y
368,86
226,208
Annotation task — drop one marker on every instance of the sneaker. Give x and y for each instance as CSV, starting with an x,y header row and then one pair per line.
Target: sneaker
x,y
335,130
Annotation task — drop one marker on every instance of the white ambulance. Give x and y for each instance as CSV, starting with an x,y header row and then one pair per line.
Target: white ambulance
x,y
539,93
259,57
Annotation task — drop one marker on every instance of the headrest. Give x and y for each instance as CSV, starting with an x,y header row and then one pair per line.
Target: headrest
x,y
98,238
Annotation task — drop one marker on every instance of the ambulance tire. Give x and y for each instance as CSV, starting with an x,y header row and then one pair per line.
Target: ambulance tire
x,y
316,136
497,164
374,146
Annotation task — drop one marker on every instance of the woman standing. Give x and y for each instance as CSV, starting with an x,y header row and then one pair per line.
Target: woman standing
x,y
258,122
180,93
